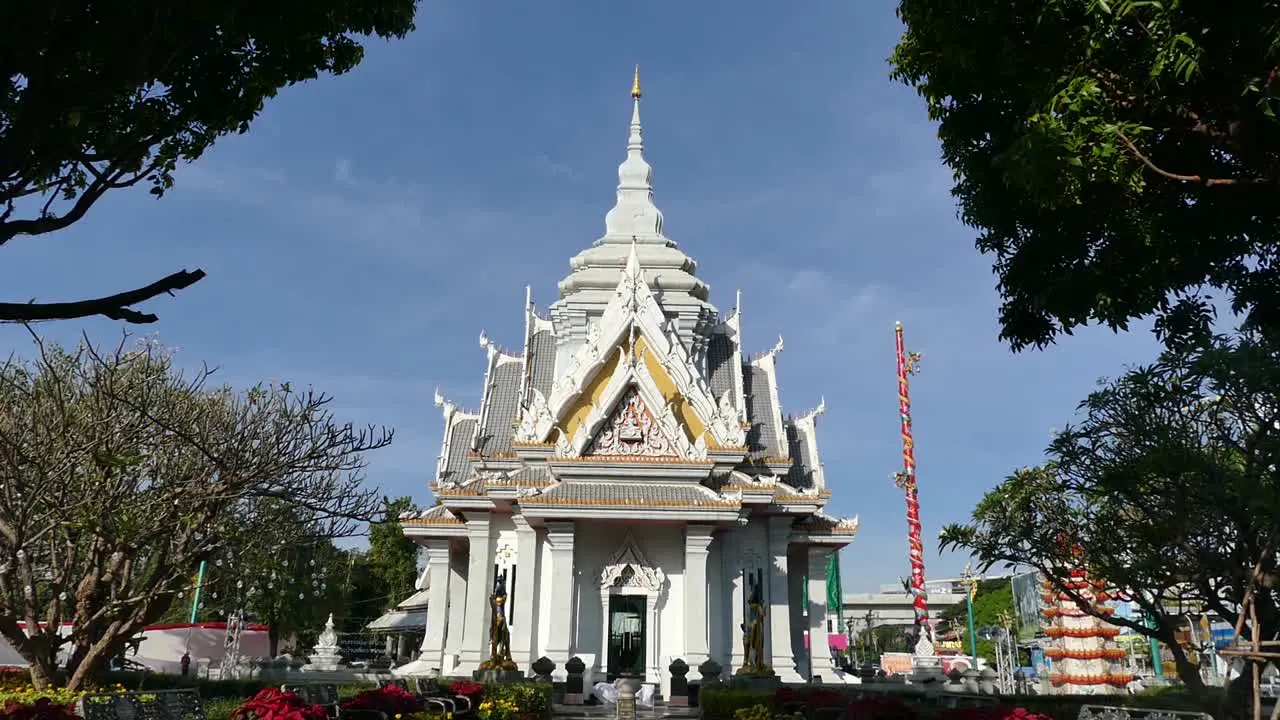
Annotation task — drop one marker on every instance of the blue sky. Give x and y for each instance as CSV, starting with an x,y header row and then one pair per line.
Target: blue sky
x,y
368,228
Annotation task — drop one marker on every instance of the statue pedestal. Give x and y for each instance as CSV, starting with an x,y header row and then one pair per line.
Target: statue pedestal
x,y
628,686
754,682
497,676
324,659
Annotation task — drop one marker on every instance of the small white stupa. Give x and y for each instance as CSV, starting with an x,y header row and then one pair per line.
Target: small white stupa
x,y
325,657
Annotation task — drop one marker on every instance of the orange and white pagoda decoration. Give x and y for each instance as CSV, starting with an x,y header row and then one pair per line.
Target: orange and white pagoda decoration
x,y
630,475
1086,659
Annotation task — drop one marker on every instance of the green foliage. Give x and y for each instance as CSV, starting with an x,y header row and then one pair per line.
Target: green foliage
x,y
529,697
95,97
1116,157
723,703
993,601
393,558
1166,489
883,639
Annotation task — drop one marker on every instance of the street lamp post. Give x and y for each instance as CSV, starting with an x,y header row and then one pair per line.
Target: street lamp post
x,y
971,584
850,649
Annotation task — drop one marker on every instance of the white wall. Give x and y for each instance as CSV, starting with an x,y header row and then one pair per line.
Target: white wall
x,y
663,547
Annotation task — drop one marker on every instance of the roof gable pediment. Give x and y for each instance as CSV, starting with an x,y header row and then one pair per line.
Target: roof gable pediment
x,y
632,430
631,335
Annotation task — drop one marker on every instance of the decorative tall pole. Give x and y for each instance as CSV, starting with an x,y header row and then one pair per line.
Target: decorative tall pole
x,y
908,365
971,590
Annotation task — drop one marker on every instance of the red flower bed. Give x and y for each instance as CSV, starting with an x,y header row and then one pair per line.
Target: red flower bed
x,y
391,700
470,690
42,709
275,704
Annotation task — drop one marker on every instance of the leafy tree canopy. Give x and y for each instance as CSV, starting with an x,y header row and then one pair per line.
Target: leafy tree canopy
x,y
100,95
1166,489
394,557
119,475
992,605
1118,158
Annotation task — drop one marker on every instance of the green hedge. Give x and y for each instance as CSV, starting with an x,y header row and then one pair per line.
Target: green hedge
x,y
720,703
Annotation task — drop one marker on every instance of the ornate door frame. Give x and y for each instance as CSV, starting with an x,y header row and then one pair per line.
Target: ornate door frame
x,y
629,572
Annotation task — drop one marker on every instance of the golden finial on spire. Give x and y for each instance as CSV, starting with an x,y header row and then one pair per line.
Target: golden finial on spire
x,y
635,85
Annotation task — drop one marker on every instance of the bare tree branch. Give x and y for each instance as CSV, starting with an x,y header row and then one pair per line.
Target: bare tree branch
x,y
114,307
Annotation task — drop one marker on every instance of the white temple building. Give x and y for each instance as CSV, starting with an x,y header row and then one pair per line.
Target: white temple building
x,y
631,471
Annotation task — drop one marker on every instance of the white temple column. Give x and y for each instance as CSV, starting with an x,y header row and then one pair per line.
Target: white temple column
x,y
732,560
524,622
697,541
779,645
653,671
819,654
560,538
602,654
798,562
437,604
475,635
457,609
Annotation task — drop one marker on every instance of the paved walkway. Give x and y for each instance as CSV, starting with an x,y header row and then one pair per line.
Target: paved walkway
x,y
608,712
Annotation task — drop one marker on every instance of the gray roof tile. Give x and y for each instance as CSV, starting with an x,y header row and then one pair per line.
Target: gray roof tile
x,y
502,399
636,494
542,361
457,465
761,413
720,364
800,476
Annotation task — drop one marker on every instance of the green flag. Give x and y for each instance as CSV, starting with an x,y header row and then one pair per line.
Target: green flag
x,y
835,592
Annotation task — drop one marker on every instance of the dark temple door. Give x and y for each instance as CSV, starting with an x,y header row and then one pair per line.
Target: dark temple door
x,y
626,636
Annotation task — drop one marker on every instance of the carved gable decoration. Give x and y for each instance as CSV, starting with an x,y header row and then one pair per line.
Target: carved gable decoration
x,y
632,312
629,568
632,431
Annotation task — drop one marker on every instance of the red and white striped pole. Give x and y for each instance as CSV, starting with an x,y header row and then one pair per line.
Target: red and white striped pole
x,y
908,365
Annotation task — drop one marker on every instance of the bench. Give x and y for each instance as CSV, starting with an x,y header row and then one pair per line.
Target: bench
x,y
436,698
326,695
182,704
1108,712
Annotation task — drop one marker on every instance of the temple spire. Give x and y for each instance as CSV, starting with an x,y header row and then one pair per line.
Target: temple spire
x,y
634,215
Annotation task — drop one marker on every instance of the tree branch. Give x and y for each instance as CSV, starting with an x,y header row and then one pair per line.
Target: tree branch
x,y
1197,179
115,307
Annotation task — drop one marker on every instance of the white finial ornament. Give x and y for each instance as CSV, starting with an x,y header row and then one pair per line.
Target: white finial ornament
x,y
634,212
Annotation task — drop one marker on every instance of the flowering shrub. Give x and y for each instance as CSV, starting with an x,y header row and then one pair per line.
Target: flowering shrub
x,y
499,709
42,709
13,679
470,690
16,691
275,704
991,713
391,700
761,712
881,708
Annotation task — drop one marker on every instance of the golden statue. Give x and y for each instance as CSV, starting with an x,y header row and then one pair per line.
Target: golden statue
x,y
499,633
754,664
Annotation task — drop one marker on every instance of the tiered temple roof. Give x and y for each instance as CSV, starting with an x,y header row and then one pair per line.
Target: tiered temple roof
x,y
632,394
